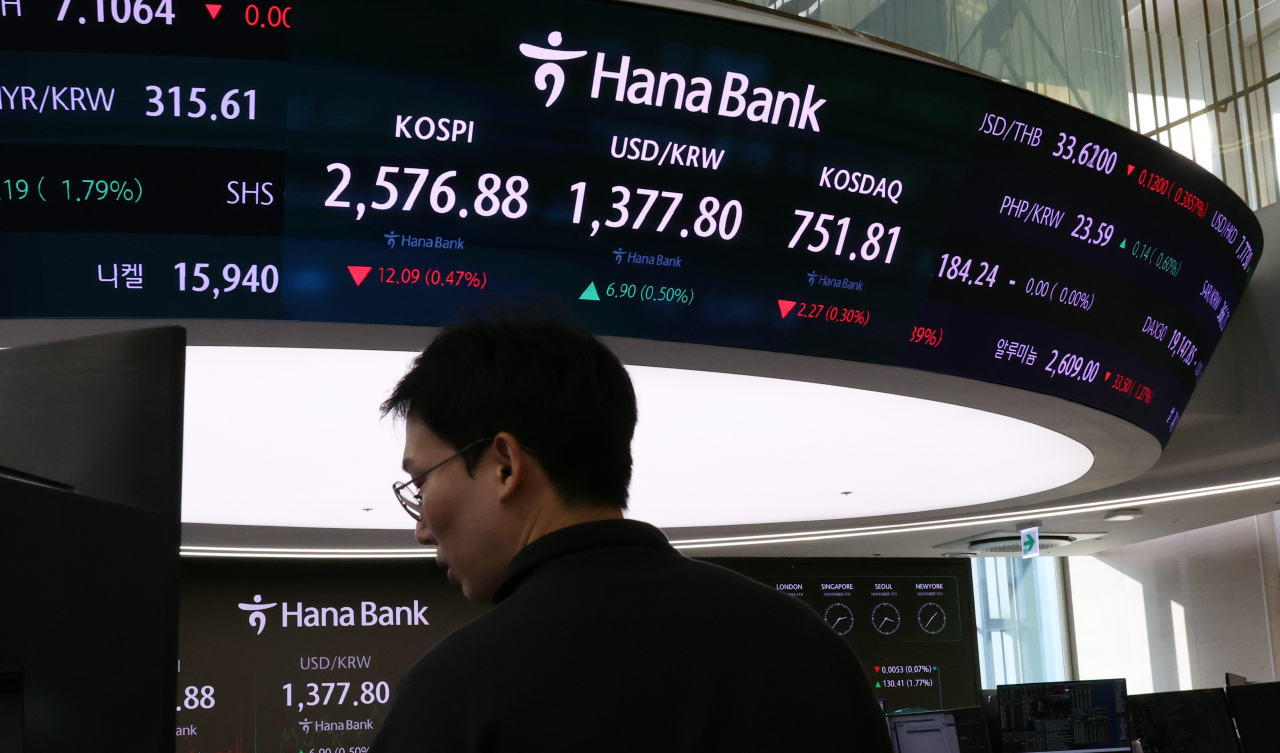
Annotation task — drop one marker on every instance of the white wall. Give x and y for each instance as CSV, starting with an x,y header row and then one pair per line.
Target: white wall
x,y
1179,612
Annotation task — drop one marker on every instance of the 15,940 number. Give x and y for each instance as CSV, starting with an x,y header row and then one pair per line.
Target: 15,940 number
x,y
268,279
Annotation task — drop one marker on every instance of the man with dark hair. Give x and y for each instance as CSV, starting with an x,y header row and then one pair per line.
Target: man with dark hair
x,y
602,636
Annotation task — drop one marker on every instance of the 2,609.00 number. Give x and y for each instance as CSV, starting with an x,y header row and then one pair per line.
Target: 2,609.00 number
x,y
1073,366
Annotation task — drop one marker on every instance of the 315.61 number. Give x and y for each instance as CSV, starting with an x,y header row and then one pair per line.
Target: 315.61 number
x,y
197,107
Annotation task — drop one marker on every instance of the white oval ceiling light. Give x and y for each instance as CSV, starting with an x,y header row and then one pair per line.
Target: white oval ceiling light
x,y
292,437
725,449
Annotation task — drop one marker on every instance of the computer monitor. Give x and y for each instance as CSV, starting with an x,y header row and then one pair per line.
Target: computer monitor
x,y
99,415
991,711
90,477
955,731
1091,716
10,705
1255,708
1184,721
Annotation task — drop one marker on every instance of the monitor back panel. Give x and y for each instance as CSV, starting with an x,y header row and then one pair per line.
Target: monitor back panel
x,y
1256,709
1185,721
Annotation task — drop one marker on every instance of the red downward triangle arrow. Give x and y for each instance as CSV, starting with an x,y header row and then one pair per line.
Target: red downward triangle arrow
x,y
1107,377
213,10
877,669
1130,170
785,307
359,273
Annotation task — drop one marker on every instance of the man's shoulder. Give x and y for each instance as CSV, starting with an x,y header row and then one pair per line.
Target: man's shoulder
x,y
464,642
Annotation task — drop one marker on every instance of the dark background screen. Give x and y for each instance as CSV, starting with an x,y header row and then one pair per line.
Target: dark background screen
x,y
397,162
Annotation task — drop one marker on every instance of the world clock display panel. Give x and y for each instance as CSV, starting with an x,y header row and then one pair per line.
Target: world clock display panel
x,y
665,175
910,621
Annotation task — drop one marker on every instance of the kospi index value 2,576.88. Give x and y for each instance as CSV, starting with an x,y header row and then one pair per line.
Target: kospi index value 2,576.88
x,y
155,27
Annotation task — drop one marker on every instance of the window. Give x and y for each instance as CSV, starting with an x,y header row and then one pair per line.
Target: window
x,y
1019,620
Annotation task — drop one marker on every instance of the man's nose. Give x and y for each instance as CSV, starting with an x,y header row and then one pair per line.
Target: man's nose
x,y
423,533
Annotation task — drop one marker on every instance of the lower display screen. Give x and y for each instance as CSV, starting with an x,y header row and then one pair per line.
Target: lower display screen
x,y
305,655
302,655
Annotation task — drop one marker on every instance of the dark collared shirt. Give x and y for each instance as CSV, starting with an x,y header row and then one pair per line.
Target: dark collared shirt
x,y
604,638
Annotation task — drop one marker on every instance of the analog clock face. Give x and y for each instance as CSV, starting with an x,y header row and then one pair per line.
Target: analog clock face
x,y
839,618
932,618
886,619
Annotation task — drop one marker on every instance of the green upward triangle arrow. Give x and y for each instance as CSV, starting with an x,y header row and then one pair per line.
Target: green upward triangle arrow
x,y
1126,240
589,294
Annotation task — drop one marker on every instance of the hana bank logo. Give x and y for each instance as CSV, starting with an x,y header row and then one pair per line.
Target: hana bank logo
x,y
550,70
255,610
637,85
256,617
371,614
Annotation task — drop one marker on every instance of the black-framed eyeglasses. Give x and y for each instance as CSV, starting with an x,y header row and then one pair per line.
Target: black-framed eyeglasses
x,y
410,499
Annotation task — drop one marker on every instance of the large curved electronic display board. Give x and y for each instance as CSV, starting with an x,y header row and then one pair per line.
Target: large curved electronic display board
x,y
670,175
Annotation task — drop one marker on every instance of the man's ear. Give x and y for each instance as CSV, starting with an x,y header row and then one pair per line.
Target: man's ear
x,y
512,463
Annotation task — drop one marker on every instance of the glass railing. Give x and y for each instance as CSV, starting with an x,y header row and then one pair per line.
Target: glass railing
x,y
1071,50
1209,94
1198,77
